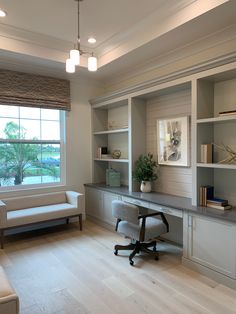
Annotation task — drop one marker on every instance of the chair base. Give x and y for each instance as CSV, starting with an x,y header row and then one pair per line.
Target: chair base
x,y
136,248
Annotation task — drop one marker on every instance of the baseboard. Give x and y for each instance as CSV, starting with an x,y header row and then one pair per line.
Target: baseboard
x,y
218,277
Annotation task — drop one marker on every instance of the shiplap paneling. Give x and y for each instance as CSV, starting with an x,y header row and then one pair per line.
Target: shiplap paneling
x,y
172,180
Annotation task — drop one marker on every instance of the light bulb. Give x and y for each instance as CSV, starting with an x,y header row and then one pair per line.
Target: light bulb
x,y
2,13
75,56
70,66
92,64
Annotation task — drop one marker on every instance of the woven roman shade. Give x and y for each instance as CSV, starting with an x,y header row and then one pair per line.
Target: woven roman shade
x,y
29,90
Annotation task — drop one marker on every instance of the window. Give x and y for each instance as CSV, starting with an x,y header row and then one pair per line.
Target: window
x,y
31,146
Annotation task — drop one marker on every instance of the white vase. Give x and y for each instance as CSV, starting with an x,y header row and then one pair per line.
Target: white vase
x,y
145,186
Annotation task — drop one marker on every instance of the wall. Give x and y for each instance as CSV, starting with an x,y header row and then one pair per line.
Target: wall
x,y
172,180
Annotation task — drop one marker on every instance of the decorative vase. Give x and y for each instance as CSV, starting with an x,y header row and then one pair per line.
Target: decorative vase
x,y
145,186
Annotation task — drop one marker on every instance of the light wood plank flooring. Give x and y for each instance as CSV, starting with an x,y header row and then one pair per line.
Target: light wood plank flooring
x,y
62,270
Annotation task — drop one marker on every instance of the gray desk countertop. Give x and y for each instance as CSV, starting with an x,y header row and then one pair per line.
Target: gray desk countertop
x,y
177,202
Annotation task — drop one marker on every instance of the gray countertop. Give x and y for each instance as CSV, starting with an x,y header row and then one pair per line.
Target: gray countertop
x,y
177,202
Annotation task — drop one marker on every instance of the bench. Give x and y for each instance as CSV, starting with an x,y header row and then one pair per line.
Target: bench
x,y
29,210
9,302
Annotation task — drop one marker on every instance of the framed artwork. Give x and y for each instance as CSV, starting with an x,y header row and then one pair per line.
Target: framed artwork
x,y
173,141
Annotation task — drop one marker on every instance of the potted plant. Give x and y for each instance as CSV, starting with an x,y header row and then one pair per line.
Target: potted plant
x,y
145,171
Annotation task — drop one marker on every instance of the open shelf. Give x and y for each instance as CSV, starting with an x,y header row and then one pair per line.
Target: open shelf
x,y
217,119
111,159
217,166
123,130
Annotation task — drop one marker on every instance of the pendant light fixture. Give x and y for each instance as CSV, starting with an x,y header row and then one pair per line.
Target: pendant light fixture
x,y
75,53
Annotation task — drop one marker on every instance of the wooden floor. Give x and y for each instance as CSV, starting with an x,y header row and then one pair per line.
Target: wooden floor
x,y
63,270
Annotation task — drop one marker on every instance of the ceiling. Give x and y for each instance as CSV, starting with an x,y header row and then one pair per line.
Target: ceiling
x,y
128,32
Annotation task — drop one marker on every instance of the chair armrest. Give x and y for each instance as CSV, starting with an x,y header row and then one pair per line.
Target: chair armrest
x,y
3,214
143,217
74,198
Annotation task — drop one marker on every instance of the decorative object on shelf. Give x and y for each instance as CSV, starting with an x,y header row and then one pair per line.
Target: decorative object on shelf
x,y
145,171
113,125
231,159
77,52
112,177
173,141
206,153
116,154
227,113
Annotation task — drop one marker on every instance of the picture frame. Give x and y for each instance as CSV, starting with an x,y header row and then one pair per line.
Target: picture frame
x,y
173,141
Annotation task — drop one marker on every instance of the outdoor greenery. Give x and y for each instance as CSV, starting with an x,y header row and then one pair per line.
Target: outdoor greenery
x,y
145,168
18,160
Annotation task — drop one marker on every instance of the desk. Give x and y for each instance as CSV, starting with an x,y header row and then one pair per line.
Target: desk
x,y
204,232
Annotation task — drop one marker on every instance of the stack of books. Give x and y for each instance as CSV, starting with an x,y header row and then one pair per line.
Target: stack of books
x,y
206,192
207,199
218,203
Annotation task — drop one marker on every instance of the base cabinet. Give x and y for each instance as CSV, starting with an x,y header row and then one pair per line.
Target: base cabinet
x,y
211,243
98,205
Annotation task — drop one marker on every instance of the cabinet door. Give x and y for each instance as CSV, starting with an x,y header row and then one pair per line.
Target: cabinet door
x,y
94,202
107,201
212,243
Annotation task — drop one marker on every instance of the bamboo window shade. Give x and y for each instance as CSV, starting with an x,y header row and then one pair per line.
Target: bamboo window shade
x,y
30,90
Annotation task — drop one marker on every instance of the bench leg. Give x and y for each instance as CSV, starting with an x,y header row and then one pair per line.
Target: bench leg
x,y
80,222
2,239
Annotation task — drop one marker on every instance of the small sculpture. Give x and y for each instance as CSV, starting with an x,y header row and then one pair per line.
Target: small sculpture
x,y
116,154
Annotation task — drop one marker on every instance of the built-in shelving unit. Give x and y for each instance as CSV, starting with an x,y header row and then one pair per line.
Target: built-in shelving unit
x,y
111,130
215,92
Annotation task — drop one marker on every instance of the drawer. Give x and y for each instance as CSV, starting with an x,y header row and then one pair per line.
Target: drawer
x,y
167,210
135,201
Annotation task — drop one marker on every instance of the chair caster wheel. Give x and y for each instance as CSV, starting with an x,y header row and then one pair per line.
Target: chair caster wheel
x,y
116,252
131,263
156,258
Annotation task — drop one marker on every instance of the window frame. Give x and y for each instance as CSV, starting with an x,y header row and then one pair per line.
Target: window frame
x,y
61,142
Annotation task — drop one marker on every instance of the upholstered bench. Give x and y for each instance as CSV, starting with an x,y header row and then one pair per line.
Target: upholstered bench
x,y
9,302
23,211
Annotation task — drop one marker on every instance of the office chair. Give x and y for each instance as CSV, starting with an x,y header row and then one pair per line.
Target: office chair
x,y
139,228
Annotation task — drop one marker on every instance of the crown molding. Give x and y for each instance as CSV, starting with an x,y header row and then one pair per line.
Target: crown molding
x,y
187,73
217,39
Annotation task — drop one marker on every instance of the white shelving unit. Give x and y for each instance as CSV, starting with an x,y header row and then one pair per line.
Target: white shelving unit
x,y
215,91
111,130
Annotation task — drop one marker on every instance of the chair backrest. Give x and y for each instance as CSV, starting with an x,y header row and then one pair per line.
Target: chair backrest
x,y
125,211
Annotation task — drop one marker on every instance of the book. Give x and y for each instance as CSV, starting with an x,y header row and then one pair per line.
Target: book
x,y
227,113
219,207
206,153
206,192
217,201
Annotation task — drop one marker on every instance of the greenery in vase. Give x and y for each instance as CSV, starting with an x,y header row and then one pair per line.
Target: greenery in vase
x,y
145,168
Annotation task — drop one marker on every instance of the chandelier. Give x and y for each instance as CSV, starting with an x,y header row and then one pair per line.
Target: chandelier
x,y
75,53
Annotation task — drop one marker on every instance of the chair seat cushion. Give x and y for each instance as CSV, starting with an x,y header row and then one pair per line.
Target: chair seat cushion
x,y
38,214
153,229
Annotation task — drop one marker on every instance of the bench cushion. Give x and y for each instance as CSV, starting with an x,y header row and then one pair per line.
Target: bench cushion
x,y
41,213
16,203
9,302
